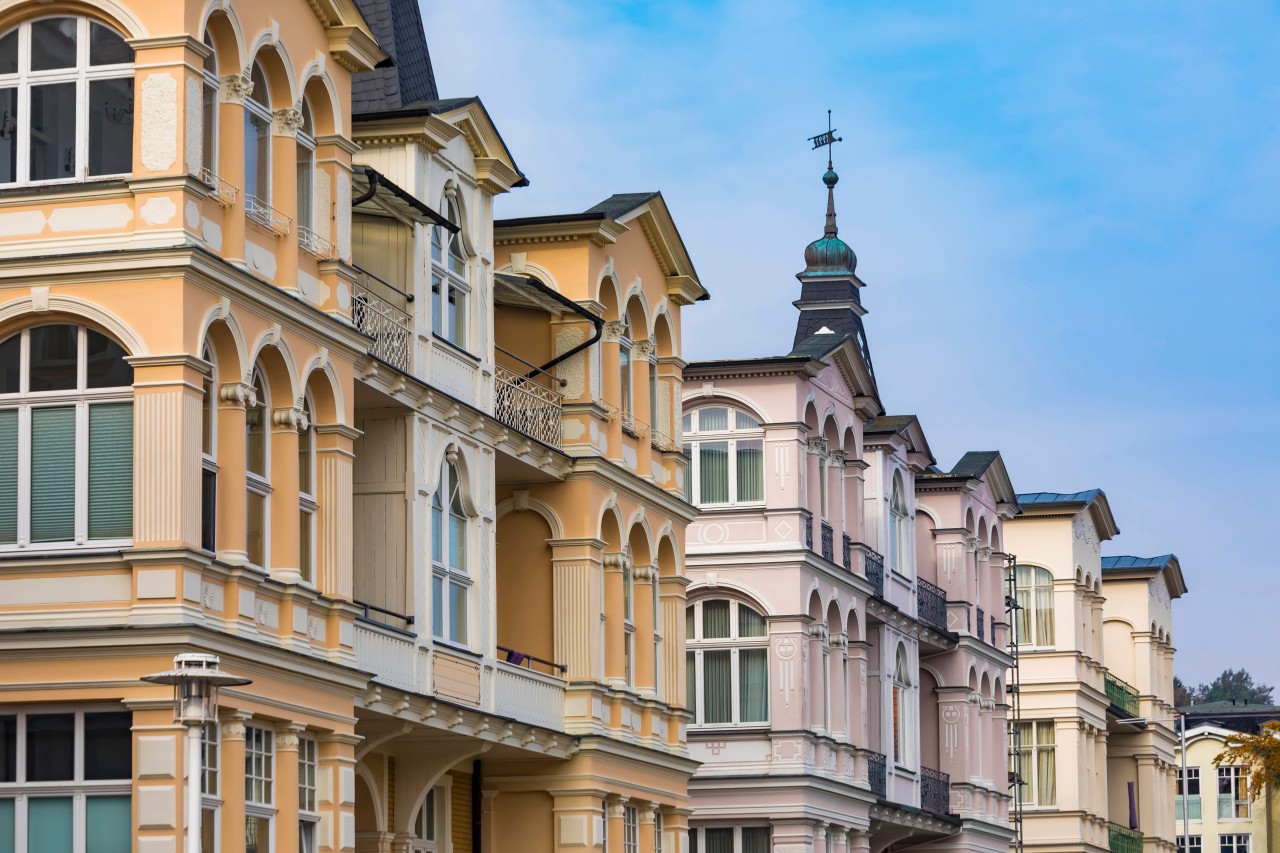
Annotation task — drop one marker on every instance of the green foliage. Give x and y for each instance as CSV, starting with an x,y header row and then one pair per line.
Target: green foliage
x,y
1232,684
1260,753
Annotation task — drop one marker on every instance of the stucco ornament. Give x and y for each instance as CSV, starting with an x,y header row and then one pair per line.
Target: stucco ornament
x,y
159,122
1082,530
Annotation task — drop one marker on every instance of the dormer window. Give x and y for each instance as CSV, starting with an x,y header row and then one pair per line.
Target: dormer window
x,y
66,102
725,446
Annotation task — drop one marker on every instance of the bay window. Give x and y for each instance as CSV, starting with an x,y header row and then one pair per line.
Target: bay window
x,y
257,472
66,778
1037,763
725,446
259,789
450,578
66,440
729,839
1033,624
901,712
727,651
66,102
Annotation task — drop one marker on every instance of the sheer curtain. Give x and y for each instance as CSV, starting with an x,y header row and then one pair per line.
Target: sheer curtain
x,y
750,462
715,620
755,839
713,460
717,687
1044,610
718,840
753,687
1046,765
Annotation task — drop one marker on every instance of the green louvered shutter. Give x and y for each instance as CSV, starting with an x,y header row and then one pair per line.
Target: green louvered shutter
x,y
53,474
8,479
111,471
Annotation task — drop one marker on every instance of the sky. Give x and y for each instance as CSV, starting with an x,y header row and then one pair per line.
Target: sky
x,y
1066,216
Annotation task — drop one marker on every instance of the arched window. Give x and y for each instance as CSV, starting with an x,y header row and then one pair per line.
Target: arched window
x,y
899,541
901,707
431,825
307,494
66,439
209,114
450,578
257,472
306,144
257,148
209,455
626,402
727,663
66,102
1033,625
449,287
725,446
629,621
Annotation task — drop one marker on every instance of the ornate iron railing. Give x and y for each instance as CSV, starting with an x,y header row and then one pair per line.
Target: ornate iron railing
x,y
982,621
993,630
313,244
636,427
828,542
223,192
526,406
875,569
877,778
1122,839
1121,695
381,311
935,791
848,553
808,532
266,215
661,440
931,604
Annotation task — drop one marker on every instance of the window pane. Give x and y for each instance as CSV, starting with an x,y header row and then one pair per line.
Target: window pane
x,y
8,132
53,43
10,364
110,824
713,475
750,470
53,132
305,520
437,530
111,126
457,542
717,687
209,128
208,509
8,750
257,157
108,745
105,365
106,47
306,159
715,620
458,317
49,825
50,747
458,613
437,307
53,357
437,606
53,474
719,840
755,839
744,421
753,685
256,434
257,544
9,53
691,680
6,826
750,623
713,419
8,485
257,834
111,471
208,830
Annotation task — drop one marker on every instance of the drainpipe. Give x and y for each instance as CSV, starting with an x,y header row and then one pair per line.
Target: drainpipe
x,y
369,193
477,805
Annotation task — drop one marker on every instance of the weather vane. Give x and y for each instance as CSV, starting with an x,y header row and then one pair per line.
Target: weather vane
x,y
828,139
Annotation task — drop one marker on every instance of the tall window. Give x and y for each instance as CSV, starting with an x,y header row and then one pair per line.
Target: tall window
x,y
901,698
66,102
630,829
660,424
629,622
306,144
1233,793
450,579
1033,625
209,113
1188,795
259,788
258,471
899,547
431,823
77,770
308,803
728,663
307,494
210,788
1234,843
1190,844
626,402
729,839
65,395
725,446
1037,769
257,147
209,455
449,287
657,832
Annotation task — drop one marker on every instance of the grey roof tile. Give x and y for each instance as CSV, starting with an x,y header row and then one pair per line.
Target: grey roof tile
x,y
397,26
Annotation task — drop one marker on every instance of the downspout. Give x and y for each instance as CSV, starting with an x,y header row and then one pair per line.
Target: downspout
x,y
477,805
369,193
597,322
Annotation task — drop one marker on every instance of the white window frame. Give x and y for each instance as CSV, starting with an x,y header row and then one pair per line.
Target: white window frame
x,y
629,621
1028,605
698,837
211,86
1235,842
1237,778
1183,799
657,830
448,284
308,794
81,398
437,800
901,699
81,75
308,506
899,556
254,202
1195,844
306,145
260,742
209,447
259,484
1030,745
693,439
78,789
630,829
449,576
211,780
696,645
626,377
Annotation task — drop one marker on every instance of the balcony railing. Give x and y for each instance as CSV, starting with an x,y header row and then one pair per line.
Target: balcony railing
x,y
223,192
1192,805
1122,839
662,440
828,542
935,791
875,569
634,426
313,244
389,654
877,778
1121,695
526,406
267,216
982,623
528,696
381,311
383,616
848,553
931,604
808,532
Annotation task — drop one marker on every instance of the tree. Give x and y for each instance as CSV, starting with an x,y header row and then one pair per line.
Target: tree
x,y
1232,684
1182,695
1260,753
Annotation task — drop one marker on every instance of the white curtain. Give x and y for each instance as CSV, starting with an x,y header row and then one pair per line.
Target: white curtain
x,y
753,687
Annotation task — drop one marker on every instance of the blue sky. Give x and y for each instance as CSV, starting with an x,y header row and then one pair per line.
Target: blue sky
x,y
1066,215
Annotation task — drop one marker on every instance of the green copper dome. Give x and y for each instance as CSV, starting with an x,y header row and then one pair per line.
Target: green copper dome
x,y
829,256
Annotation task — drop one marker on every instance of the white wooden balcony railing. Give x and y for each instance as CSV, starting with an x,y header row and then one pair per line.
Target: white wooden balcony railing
x,y
528,696
392,656
526,406
380,310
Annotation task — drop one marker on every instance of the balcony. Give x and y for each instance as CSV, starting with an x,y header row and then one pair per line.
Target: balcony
x,y
877,778
381,311
391,655
1121,695
527,407
313,244
828,542
935,791
808,532
874,562
267,216
982,623
1122,839
532,697
931,604
848,553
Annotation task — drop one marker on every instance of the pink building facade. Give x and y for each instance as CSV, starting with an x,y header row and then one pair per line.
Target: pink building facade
x,y
846,630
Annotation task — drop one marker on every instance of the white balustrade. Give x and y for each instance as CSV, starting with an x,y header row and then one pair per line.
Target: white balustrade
x,y
529,696
391,656
453,374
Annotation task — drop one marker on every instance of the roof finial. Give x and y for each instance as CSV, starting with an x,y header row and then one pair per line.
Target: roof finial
x,y
830,178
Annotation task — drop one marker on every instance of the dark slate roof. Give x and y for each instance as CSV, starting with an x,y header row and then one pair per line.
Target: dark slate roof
x,y
975,463
397,27
816,346
1228,707
1054,498
1116,564
620,204
886,424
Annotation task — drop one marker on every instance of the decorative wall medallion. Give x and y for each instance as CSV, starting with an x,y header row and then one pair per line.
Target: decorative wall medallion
x,y
714,746
785,649
950,731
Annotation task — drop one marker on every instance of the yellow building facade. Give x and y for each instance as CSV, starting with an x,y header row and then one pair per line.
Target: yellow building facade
x,y
276,387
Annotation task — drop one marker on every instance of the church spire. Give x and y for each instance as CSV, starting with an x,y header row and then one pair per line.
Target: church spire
x,y
829,256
